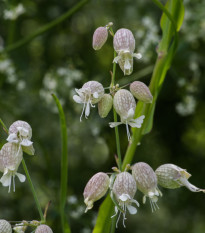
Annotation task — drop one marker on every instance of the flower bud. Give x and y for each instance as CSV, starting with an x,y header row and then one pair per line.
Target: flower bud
x,y
123,103
141,92
171,176
5,227
96,188
146,181
124,41
100,37
105,105
43,229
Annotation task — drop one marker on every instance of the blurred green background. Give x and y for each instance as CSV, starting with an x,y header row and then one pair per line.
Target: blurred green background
x,y
61,60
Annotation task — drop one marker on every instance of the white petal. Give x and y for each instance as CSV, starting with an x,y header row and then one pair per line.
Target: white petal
x,y
131,113
23,132
116,59
127,65
124,197
134,125
77,99
132,209
6,179
114,124
26,142
21,177
87,110
12,138
136,202
95,95
137,55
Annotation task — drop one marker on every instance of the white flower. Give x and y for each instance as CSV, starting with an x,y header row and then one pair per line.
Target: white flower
x,y
124,104
14,13
124,45
11,156
20,132
124,189
90,93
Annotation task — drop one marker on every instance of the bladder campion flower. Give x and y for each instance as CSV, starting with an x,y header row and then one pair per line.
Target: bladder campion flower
x,y
20,132
90,93
11,156
141,91
124,189
124,104
124,45
96,188
43,229
146,181
100,37
19,229
171,176
105,105
5,227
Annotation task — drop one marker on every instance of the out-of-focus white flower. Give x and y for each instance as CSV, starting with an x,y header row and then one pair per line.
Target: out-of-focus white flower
x,y
90,93
187,107
20,132
124,189
124,104
124,45
19,229
11,156
5,227
15,12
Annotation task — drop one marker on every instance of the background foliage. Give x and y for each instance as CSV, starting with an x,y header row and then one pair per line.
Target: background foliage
x,y
62,59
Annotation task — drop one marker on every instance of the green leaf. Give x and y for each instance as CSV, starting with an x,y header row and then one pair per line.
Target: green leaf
x,y
103,223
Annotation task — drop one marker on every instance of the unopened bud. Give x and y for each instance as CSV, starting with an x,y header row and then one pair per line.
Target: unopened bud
x,y
105,105
99,37
141,91
171,176
43,229
96,188
5,227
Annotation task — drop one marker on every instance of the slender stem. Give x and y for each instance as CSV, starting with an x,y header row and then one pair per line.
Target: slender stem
x,y
45,28
33,191
64,166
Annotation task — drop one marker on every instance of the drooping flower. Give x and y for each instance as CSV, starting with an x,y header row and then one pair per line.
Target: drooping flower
x,y
43,229
105,105
20,132
124,104
96,188
5,227
141,91
124,189
90,94
171,176
124,45
146,181
11,156
100,37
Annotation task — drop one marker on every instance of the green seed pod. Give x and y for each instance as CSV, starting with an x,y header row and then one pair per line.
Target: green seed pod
x,y
43,229
5,227
171,176
141,92
96,188
105,105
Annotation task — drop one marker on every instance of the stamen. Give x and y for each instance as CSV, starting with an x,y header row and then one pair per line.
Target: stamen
x,y
82,111
128,132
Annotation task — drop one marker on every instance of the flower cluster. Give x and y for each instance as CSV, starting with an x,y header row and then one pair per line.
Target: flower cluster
x,y
123,186
11,154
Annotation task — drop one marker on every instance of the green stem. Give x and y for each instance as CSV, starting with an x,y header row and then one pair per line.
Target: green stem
x,y
33,191
46,27
64,166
